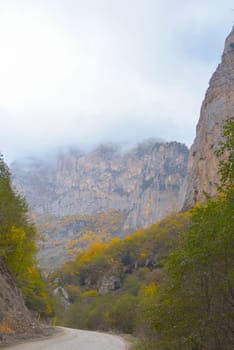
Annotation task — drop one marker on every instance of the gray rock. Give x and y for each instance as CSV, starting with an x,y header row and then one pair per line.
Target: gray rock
x,y
108,284
202,173
14,316
144,182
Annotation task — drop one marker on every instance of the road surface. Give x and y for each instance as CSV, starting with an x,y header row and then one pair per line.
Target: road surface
x,y
74,339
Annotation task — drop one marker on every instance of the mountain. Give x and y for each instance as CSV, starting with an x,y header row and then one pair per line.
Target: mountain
x,y
202,173
77,197
144,182
141,185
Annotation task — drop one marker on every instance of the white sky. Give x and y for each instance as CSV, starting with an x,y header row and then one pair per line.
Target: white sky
x,y
80,72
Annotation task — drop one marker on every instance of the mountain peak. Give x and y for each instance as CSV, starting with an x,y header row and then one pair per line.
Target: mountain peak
x,y
202,172
229,42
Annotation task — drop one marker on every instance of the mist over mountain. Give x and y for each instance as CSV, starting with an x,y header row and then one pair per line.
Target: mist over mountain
x,y
109,177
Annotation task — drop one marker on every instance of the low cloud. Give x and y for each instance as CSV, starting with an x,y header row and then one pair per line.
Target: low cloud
x,y
75,72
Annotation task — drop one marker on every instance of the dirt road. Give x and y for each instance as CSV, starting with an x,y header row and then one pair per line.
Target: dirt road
x,y
73,339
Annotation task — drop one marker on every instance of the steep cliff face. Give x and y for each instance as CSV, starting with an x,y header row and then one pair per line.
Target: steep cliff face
x,y
144,182
202,173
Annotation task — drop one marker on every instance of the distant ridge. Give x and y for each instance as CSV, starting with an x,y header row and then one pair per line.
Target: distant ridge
x,y
143,182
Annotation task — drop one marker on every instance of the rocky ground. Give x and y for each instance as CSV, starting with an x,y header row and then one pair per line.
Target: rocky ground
x,y
16,322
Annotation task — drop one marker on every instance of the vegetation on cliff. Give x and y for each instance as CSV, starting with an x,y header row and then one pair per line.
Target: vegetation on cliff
x,y
66,236
18,245
128,268
193,308
171,284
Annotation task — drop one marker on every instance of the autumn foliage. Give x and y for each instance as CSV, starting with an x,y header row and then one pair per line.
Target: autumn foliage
x,y
176,278
18,245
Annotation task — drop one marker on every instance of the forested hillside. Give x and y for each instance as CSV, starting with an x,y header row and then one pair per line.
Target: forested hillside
x,y
64,237
109,220
18,252
110,278
172,285
100,194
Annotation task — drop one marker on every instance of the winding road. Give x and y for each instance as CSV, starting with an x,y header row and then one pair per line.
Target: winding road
x,y
74,339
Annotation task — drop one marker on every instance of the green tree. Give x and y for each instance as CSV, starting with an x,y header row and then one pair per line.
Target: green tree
x,y
18,244
194,308
226,153
17,235
123,313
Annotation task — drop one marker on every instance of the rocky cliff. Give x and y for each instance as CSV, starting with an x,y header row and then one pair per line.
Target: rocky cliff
x,y
202,173
141,185
14,316
144,182
16,322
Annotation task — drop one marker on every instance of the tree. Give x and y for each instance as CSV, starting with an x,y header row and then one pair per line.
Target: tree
x,y
226,153
194,308
17,234
18,244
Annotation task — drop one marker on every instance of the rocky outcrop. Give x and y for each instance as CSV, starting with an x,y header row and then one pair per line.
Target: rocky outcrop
x,y
17,324
14,316
202,172
144,182
108,284
63,296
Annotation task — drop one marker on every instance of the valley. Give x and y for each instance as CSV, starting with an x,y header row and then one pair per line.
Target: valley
x,y
136,241
133,188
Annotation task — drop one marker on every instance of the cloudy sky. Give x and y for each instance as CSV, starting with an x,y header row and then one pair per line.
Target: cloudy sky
x,y
81,72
